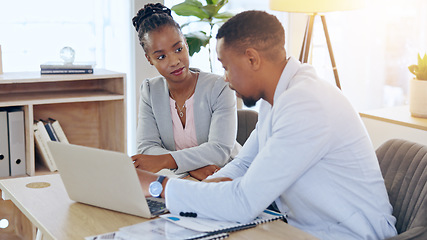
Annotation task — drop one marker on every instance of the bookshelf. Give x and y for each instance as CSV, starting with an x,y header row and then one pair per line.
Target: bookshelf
x,y
91,108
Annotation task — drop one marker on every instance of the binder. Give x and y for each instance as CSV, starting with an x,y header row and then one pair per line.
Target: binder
x,y
16,143
4,145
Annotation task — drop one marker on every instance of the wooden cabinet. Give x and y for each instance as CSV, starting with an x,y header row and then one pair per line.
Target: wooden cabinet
x,y
91,108
395,122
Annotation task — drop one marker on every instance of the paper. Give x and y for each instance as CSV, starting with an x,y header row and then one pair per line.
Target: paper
x,y
157,229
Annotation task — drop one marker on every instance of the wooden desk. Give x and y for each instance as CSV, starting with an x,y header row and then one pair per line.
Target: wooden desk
x,y
395,122
58,217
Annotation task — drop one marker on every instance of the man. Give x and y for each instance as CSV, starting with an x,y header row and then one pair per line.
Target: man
x,y
309,153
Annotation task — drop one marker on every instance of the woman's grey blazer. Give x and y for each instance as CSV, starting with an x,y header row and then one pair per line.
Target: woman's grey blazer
x,y
215,119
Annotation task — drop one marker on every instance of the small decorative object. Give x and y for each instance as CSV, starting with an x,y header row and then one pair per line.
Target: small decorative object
x,y
67,54
418,88
68,66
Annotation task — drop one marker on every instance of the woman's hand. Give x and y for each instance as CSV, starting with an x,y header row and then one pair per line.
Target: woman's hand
x,y
154,163
218,179
204,172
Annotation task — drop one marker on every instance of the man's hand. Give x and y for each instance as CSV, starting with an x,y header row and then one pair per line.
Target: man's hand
x,y
145,178
153,163
204,172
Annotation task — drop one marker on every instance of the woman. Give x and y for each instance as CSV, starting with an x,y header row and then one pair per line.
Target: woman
x,y
187,118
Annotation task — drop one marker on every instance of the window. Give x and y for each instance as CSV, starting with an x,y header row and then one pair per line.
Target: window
x,y
373,48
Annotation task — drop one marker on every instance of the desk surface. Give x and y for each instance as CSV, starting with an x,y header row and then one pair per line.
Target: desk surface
x,y
398,115
58,217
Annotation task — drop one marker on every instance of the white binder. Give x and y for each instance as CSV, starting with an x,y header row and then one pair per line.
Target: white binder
x,y
4,145
16,143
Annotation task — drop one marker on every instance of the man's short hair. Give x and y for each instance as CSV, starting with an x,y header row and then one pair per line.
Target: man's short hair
x,y
253,29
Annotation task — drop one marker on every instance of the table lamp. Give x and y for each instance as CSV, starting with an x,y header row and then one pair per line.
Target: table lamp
x,y
313,8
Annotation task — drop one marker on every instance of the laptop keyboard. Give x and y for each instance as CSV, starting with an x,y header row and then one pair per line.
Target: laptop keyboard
x,y
156,207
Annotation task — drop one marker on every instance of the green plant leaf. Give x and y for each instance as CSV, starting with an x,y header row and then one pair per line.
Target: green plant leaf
x,y
190,8
196,40
221,3
413,69
224,15
420,70
210,10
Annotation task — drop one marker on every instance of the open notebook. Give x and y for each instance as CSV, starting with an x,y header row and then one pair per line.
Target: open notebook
x,y
104,179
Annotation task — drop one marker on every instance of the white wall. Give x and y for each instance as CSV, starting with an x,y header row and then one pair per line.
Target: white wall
x,y
141,70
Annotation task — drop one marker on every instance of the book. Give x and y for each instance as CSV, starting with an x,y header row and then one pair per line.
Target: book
x,y
58,130
62,65
65,71
51,132
41,138
45,131
214,226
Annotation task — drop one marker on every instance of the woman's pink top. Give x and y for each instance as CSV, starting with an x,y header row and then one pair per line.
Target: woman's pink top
x,y
184,137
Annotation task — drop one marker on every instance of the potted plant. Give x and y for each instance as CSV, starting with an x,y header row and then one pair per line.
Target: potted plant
x,y
418,88
208,14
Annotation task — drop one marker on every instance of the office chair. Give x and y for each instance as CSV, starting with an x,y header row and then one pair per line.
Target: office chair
x,y
404,168
246,121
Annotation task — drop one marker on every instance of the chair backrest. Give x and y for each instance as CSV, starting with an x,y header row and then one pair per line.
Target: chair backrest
x,y
247,120
404,168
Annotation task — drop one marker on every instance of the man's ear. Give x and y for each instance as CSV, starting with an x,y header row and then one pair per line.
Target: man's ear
x,y
253,57
148,59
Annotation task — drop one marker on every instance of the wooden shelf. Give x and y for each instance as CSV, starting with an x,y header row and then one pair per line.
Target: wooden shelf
x,y
58,97
31,77
91,108
394,122
398,115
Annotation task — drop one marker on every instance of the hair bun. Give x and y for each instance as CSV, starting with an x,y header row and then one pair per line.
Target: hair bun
x,y
149,10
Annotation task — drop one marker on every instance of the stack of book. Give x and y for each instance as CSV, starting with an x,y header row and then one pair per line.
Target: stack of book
x,y
66,68
45,131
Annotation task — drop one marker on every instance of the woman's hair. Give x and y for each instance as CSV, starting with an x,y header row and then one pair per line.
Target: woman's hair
x,y
256,29
152,17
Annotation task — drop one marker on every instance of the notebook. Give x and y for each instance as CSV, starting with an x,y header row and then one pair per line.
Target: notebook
x,y
214,226
104,179
173,227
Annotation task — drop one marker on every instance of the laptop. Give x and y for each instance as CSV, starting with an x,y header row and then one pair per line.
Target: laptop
x,y
104,179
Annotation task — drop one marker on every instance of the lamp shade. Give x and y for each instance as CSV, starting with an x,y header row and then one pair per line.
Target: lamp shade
x,y
315,6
